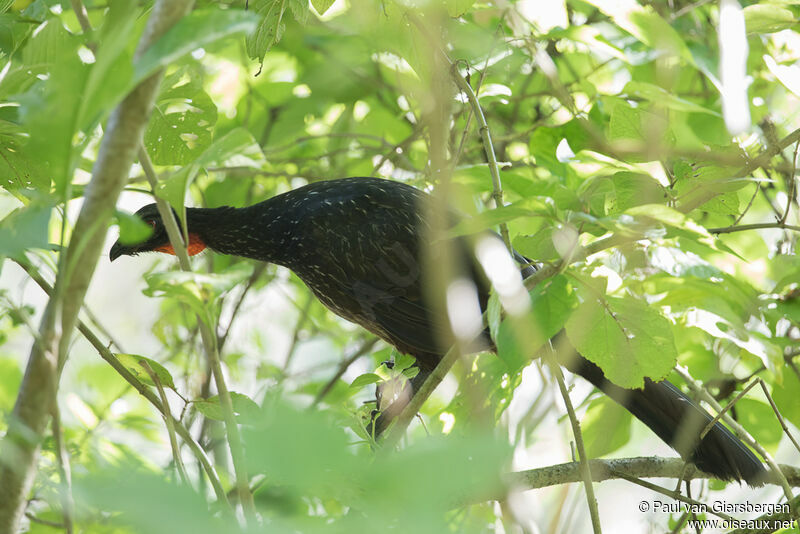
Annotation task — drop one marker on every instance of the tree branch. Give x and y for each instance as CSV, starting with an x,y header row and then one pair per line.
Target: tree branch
x,y
641,467
402,421
37,391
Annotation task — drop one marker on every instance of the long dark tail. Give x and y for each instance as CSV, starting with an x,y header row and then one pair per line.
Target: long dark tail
x,y
679,421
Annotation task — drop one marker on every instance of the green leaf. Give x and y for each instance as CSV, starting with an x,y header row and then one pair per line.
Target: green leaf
x,y
539,245
49,110
131,228
147,501
456,8
328,469
543,144
181,286
606,427
284,432
411,372
646,25
10,378
19,169
488,219
181,125
661,213
788,75
625,123
245,408
661,97
365,380
133,363
322,5
195,288
637,125
236,148
300,10
768,18
25,229
196,30
520,338
713,188
270,27
634,189
494,314
760,421
786,397
625,337
403,362
110,78
651,29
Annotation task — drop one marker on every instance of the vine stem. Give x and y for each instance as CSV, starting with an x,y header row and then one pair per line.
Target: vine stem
x,y
173,441
488,147
137,384
209,339
586,472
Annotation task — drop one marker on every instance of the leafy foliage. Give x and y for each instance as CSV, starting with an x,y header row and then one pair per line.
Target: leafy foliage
x,y
666,238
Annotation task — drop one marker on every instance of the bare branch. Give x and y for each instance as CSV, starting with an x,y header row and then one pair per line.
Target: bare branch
x,y
643,467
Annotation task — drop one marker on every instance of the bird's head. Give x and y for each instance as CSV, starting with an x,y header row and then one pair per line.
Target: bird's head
x,y
158,240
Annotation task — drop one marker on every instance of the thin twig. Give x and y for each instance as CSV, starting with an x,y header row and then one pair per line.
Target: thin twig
x,y
740,432
45,522
686,9
64,472
298,327
257,272
209,339
749,205
468,120
793,184
726,409
586,473
173,442
83,16
778,415
579,254
755,226
488,148
343,366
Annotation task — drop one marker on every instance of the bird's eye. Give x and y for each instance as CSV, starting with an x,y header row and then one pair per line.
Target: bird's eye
x,y
152,224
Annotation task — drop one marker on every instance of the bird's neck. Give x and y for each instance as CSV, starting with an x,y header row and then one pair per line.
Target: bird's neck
x,y
260,232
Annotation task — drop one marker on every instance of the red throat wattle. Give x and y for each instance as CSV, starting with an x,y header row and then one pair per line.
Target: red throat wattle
x,y
196,246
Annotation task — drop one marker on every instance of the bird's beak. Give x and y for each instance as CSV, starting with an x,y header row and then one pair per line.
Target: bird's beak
x,y
117,250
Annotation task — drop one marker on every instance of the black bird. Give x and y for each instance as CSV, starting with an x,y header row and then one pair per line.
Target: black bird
x,y
357,244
